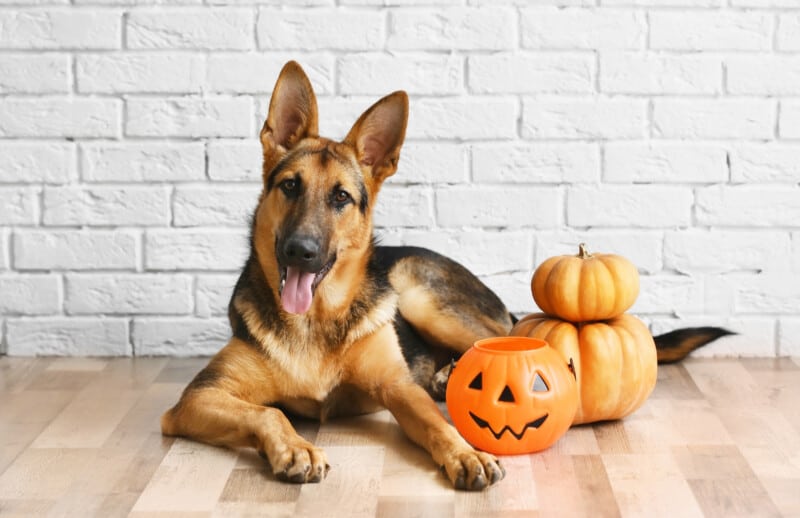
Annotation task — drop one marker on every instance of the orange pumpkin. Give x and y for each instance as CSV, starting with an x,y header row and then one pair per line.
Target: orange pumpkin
x,y
615,361
585,287
511,395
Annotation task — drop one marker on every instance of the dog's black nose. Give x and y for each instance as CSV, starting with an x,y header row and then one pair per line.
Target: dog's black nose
x,y
302,252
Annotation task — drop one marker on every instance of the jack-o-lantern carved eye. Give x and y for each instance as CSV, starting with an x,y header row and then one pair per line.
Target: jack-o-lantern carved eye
x,y
539,384
477,382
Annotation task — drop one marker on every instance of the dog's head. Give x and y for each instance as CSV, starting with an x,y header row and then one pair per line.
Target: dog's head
x,y
313,224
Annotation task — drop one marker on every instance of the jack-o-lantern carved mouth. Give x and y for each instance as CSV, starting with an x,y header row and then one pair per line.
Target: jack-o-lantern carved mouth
x,y
536,423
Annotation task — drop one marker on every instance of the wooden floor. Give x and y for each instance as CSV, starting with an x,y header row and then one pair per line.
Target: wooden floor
x,y
79,437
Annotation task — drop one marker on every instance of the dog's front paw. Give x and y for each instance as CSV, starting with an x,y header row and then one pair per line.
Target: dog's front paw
x,y
473,470
299,463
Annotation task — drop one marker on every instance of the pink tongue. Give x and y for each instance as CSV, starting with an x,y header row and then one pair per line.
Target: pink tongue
x,y
296,296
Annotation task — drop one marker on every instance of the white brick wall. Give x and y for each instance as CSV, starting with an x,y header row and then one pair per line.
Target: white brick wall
x,y
37,162
664,130
76,249
59,117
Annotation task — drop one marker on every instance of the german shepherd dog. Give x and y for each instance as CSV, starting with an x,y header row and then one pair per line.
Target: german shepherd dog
x,y
325,322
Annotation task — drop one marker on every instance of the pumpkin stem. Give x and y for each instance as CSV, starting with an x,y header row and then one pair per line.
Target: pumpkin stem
x,y
583,253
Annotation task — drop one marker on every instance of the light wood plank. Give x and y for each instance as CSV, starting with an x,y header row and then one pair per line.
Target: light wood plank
x,y
712,462
769,443
781,375
579,440
733,497
612,437
23,416
170,514
681,421
88,421
77,364
19,437
144,416
130,373
181,370
727,383
413,506
650,485
17,373
253,509
675,382
573,485
252,490
249,485
352,486
90,487
366,430
190,479
146,461
44,473
784,494
516,493
406,465
117,504
24,508
723,481
73,381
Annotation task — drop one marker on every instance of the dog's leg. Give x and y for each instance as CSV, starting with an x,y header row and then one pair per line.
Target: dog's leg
x,y
379,370
421,420
208,411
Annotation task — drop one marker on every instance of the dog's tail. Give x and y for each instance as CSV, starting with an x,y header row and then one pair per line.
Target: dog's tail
x,y
676,345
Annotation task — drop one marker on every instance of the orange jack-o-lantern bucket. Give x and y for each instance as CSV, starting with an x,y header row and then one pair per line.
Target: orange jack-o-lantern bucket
x,y
512,395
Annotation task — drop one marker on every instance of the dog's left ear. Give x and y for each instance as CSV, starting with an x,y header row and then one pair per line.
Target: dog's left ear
x,y
378,135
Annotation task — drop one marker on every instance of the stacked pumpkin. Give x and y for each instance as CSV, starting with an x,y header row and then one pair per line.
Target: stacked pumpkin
x,y
584,299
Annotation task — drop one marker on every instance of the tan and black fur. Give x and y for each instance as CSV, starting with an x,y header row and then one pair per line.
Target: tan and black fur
x,y
379,324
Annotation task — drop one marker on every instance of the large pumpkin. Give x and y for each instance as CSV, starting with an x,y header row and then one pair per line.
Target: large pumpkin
x,y
585,287
511,395
614,361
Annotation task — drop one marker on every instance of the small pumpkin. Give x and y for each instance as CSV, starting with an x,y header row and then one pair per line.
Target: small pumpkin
x,y
511,395
585,287
615,361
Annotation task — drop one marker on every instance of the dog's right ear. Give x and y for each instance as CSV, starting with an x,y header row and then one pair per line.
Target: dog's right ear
x,y
292,114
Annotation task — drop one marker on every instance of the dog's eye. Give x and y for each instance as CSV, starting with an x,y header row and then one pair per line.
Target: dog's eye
x,y
289,186
341,197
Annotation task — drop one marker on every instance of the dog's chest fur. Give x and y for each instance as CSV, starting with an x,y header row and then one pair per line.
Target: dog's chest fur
x,y
307,354
313,379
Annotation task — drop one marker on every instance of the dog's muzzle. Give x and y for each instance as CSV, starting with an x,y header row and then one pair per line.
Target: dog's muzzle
x,y
303,265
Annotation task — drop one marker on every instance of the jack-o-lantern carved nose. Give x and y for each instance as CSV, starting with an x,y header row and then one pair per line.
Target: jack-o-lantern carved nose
x,y
507,395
